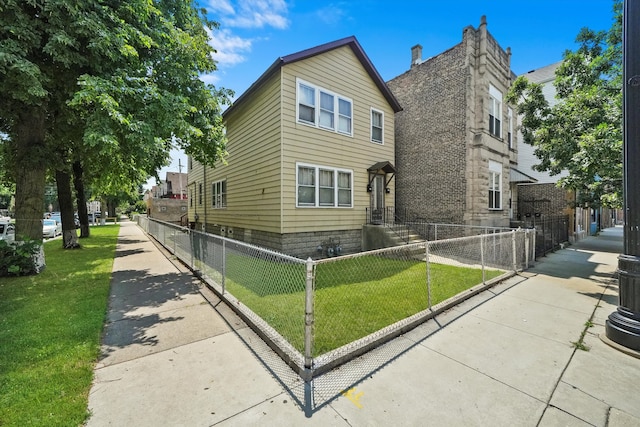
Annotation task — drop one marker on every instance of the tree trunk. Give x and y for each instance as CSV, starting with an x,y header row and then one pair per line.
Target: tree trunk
x,y
78,183
30,170
69,236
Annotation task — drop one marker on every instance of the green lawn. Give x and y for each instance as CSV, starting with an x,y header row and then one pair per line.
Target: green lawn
x,y
50,330
354,297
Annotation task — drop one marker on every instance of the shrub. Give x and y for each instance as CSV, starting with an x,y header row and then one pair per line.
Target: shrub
x,y
19,258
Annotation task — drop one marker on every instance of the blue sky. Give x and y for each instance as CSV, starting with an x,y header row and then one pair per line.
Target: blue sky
x,y
254,33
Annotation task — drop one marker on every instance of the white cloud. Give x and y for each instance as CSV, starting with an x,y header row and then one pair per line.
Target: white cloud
x,y
221,6
210,79
229,48
250,13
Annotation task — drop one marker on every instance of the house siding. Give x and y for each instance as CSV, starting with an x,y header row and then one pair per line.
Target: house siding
x,y
340,72
252,169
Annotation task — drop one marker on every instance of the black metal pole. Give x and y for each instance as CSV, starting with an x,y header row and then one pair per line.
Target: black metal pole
x,y
623,325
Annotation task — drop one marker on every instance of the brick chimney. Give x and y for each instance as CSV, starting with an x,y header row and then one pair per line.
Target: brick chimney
x,y
416,55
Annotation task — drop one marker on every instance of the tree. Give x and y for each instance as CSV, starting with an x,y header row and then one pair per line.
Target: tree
x,y
125,73
582,133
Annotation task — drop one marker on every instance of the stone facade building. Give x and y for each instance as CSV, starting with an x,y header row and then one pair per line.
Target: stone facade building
x,y
455,138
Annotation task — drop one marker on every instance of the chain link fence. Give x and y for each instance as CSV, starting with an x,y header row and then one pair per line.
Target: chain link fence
x,y
318,314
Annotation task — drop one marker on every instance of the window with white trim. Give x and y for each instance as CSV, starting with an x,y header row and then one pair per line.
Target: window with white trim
x,y
495,111
377,126
510,128
219,194
322,186
495,185
324,109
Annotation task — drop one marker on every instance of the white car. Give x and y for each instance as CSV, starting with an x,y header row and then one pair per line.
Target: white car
x,y
7,231
51,228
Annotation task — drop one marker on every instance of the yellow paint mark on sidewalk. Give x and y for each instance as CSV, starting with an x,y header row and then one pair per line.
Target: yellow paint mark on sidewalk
x,y
353,396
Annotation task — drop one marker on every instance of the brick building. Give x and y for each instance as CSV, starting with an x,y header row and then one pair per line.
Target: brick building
x,y
168,200
455,138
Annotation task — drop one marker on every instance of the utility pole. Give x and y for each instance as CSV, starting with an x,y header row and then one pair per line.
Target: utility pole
x,y
623,325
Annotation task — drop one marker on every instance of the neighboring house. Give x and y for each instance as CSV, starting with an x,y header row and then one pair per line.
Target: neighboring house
x,y
310,150
455,137
176,185
168,200
544,198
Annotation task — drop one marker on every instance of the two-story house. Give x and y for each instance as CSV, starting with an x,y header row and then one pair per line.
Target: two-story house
x,y
310,150
455,136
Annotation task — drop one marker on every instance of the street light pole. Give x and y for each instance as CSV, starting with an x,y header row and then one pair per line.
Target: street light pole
x,y
623,325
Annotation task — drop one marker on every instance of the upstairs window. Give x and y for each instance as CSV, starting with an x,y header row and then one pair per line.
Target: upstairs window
x,y
200,193
495,111
322,108
495,185
326,110
377,123
344,116
219,193
306,104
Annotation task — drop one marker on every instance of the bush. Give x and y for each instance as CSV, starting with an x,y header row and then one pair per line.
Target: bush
x,y
19,258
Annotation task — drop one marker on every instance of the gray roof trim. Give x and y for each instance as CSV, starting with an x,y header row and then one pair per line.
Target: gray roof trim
x,y
520,177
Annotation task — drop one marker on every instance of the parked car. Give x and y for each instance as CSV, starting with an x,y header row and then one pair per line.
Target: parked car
x,y
7,231
51,228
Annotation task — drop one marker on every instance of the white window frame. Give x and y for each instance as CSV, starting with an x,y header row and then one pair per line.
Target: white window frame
x,y
219,194
495,107
337,118
495,177
316,186
375,111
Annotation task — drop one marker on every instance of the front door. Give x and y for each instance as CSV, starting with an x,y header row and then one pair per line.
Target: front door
x,y
377,200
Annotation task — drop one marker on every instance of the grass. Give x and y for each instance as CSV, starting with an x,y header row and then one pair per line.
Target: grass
x,y
580,345
354,297
50,329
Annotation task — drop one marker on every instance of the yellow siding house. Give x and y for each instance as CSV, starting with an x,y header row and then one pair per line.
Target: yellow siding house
x,y
310,155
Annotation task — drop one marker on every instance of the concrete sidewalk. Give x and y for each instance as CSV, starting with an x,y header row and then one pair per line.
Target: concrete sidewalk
x,y
173,354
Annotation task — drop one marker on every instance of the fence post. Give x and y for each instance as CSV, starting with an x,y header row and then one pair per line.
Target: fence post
x,y
513,247
482,256
526,249
308,317
224,263
535,233
435,231
426,245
